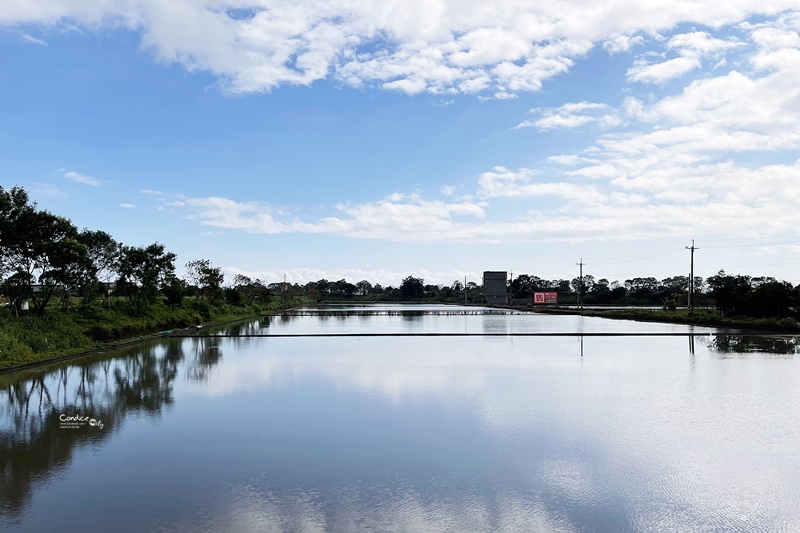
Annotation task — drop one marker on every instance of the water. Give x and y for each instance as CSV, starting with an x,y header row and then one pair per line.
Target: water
x,y
409,433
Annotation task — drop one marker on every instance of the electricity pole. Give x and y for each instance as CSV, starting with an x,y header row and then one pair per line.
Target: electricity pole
x,y
580,288
690,301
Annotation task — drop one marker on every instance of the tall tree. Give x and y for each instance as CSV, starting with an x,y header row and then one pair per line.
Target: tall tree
x,y
205,276
143,270
412,288
40,249
104,258
250,288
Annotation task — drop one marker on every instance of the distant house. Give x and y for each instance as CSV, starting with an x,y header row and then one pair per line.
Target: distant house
x,y
108,286
495,288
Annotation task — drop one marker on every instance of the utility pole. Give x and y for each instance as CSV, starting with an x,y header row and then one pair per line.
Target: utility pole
x,y
465,290
690,301
580,288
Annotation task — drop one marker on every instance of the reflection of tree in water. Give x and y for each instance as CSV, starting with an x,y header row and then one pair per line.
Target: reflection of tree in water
x,y
34,446
253,327
413,316
239,334
207,353
740,344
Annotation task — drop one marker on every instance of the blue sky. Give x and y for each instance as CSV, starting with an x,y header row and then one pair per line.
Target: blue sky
x,y
373,140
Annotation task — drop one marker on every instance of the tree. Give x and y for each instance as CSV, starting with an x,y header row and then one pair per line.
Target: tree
x,y
364,287
104,256
412,288
600,292
676,284
343,288
642,288
587,285
174,289
323,286
143,271
772,298
14,204
522,286
207,278
250,288
432,291
39,249
729,292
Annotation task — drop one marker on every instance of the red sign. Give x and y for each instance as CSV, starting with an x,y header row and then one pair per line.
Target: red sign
x,y
545,297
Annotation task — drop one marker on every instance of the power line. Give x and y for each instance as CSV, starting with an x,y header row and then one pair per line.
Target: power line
x,y
639,258
754,245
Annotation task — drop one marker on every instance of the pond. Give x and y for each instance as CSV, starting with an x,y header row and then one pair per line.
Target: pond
x,y
506,425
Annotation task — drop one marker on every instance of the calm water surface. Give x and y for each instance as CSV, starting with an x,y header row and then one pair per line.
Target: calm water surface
x,y
228,433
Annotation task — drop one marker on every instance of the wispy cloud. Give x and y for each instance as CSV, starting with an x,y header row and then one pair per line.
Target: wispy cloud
x,y
82,178
127,206
45,189
31,39
572,115
692,48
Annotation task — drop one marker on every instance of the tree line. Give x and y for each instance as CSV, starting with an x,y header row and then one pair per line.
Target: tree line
x,y
731,295
45,261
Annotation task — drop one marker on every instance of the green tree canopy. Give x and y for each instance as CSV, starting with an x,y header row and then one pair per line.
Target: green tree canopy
x,y
412,288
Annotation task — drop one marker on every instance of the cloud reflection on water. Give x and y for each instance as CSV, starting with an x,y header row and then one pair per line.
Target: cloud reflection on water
x,y
705,433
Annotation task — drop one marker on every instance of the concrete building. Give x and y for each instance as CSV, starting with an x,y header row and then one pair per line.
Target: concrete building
x,y
495,289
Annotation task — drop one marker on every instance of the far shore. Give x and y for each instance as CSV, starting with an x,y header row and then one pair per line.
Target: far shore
x,y
700,317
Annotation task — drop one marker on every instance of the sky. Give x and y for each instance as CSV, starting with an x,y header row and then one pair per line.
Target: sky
x,y
374,140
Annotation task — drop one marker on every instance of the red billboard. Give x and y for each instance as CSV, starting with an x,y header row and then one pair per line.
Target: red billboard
x,y
545,297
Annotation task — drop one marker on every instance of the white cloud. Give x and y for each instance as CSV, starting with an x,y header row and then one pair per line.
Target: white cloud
x,y
674,166
572,115
398,217
659,73
31,39
353,275
569,160
700,43
621,43
692,48
82,178
411,46
127,206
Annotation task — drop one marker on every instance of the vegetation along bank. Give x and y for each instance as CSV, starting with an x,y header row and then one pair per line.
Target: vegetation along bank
x,y
65,290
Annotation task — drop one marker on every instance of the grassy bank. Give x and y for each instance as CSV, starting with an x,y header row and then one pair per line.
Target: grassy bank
x,y
31,338
700,317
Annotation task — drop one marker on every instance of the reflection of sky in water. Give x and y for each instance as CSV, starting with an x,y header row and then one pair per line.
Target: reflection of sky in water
x,y
415,319
447,434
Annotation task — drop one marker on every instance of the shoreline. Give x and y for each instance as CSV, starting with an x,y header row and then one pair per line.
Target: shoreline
x,y
777,327
100,348
785,326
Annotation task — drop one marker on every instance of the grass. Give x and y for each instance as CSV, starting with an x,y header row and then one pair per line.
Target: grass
x,y
30,338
